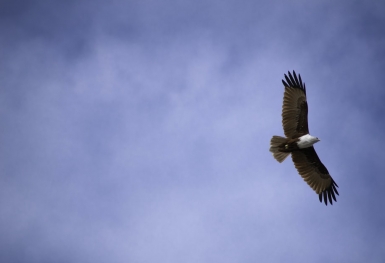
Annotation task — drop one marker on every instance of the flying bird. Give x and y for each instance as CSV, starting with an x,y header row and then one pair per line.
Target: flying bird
x,y
299,143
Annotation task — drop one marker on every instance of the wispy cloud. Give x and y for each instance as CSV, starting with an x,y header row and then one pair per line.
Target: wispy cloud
x,y
139,131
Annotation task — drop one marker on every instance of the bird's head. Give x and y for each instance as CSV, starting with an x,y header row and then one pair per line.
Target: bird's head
x,y
314,139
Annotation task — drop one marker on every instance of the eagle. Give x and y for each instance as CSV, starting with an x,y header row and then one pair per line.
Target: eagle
x,y
299,143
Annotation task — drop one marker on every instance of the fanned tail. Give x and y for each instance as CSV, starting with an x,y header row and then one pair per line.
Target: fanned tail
x,y
275,142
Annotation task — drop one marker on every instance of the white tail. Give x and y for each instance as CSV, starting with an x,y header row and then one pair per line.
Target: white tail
x,y
275,142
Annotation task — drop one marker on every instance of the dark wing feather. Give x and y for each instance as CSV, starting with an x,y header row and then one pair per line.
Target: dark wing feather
x,y
315,174
294,109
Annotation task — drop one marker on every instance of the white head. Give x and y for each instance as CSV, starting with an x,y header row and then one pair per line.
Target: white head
x,y
306,141
314,139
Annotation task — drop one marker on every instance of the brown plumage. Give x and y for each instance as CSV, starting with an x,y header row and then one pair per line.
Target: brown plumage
x,y
299,143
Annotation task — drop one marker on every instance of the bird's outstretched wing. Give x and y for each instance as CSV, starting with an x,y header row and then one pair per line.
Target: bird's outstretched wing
x,y
294,109
315,174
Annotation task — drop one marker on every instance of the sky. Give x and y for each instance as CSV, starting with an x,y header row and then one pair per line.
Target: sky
x,y
138,131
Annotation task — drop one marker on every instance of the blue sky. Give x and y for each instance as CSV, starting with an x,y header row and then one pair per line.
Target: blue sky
x,y
138,131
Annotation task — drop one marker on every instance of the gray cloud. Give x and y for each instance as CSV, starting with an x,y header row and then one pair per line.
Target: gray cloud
x,y
139,131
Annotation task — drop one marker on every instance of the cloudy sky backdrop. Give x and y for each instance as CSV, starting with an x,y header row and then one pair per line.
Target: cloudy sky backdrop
x,y
138,131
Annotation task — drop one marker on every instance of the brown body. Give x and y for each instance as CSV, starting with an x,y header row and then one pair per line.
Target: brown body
x,y
289,146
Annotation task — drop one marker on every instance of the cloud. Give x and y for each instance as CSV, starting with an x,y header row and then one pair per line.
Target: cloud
x,y
139,131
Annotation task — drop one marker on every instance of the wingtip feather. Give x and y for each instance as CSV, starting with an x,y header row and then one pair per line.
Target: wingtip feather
x,y
295,82
329,194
